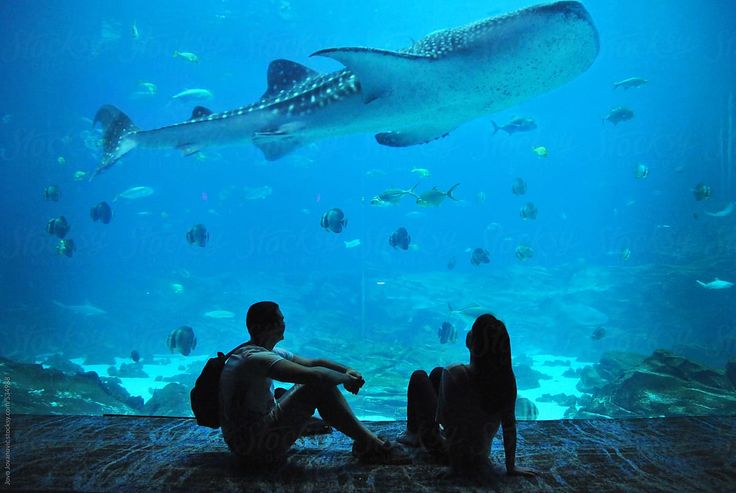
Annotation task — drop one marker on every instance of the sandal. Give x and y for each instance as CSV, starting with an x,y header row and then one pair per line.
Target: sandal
x,y
384,453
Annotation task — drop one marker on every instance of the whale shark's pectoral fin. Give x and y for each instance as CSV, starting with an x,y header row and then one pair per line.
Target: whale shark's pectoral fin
x,y
279,142
378,71
413,136
188,149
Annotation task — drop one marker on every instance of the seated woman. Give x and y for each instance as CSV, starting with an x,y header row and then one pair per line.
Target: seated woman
x,y
469,401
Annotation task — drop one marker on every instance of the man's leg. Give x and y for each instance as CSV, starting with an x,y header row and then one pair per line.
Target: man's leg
x,y
301,400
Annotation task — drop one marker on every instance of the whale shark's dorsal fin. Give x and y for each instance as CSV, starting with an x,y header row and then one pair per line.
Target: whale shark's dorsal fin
x,y
284,74
200,111
377,70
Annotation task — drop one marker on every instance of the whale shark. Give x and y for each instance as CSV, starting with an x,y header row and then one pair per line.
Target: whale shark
x,y
406,97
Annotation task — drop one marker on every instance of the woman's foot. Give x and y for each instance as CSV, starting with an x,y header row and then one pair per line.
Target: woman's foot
x,y
409,439
380,452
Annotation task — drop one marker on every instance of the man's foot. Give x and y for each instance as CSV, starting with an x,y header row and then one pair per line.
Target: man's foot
x,y
380,453
409,439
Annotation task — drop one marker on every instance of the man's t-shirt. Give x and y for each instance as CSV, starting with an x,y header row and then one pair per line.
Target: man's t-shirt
x,y
246,392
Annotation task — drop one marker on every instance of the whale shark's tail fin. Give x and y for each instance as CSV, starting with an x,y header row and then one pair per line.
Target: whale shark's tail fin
x,y
117,137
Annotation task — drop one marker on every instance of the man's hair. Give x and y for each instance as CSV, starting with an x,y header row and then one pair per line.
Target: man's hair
x,y
260,315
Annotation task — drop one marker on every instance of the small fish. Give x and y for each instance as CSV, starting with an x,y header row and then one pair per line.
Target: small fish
x,y
641,171
723,212
540,151
524,252
61,160
451,263
400,238
598,333
481,197
66,248
374,172
446,333
630,82
392,196
473,310
334,220
219,314
423,172
182,340
519,124
177,288
148,87
187,55
435,197
190,95
479,256
256,193
198,234
52,193
134,31
352,243
79,175
518,187
87,309
101,212
135,356
58,226
702,192
625,254
529,211
134,193
715,284
618,114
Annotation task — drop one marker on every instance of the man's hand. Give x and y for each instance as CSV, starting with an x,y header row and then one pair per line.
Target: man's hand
x,y
355,383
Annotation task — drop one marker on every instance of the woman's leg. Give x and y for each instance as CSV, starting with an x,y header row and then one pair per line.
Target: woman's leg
x,y
421,410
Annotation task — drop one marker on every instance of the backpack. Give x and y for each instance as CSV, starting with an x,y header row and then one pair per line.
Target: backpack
x,y
205,396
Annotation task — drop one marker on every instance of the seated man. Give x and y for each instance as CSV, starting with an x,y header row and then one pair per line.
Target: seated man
x,y
261,429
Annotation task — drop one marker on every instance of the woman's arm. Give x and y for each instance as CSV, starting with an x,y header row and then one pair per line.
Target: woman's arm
x,y
508,422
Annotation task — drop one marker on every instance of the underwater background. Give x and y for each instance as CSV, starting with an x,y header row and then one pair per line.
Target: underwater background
x,y
605,317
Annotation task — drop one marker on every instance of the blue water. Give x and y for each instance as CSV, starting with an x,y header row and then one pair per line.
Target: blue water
x,y
62,60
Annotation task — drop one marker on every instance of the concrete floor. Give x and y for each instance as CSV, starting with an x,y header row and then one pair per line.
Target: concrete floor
x,y
113,453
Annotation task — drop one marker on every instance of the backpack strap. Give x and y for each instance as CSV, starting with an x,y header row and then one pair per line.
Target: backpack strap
x,y
234,349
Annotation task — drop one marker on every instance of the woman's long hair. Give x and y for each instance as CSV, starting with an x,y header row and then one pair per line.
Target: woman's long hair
x,y
490,357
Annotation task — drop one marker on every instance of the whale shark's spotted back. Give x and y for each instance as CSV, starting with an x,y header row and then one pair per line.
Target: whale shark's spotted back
x,y
405,97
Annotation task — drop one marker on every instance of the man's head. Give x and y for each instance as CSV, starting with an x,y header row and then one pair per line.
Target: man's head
x,y
264,317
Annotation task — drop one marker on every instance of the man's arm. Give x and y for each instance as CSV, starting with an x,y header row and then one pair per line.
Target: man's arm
x,y
356,379
325,363
294,372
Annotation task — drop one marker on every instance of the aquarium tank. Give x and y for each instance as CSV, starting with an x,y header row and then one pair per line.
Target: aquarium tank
x,y
386,172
